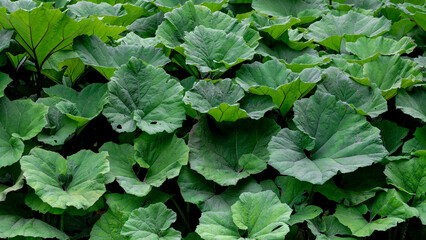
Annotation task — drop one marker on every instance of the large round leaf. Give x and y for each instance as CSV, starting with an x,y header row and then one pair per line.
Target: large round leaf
x,y
152,222
274,79
172,31
59,127
42,31
413,103
4,81
332,137
366,100
134,99
77,181
392,72
369,48
331,30
80,106
232,151
305,10
258,215
212,50
225,101
106,59
19,120
13,226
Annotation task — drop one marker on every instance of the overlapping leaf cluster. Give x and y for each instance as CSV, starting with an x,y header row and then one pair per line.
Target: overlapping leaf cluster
x,y
212,119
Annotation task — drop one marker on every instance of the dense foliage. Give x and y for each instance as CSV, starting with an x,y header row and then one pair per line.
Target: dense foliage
x,y
212,119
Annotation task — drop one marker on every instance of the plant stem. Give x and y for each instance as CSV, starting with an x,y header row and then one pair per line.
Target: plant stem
x,y
404,230
182,214
62,223
330,2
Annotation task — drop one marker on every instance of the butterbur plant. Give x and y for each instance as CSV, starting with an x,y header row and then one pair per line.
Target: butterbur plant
x,y
212,119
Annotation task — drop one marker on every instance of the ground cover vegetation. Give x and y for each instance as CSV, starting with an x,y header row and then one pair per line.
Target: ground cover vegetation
x,y
212,119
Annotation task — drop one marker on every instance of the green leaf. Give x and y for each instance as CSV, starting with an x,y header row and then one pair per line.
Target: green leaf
x,y
121,159
390,73
152,222
4,81
328,227
293,191
11,174
275,26
194,188
212,50
392,204
331,138
229,152
134,99
306,10
80,106
19,120
168,5
356,187
146,27
332,30
118,14
163,155
261,214
369,48
392,134
359,226
408,176
110,224
172,30
77,181
304,213
12,226
36,204
225,101
365,100
106,59
42,32
274,79
417,143
411,103
217,225
59,127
